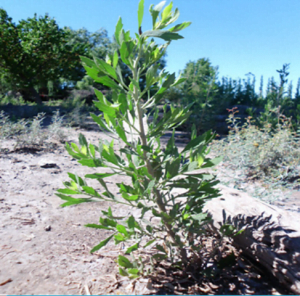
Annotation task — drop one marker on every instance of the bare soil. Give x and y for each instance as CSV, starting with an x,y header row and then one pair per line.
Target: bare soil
x,y
45,249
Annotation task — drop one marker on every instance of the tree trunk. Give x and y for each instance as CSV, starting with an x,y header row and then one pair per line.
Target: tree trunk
x,y
271,235
36,96
30,93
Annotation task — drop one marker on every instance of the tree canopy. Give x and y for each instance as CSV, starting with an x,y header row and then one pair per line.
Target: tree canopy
x,y
35,51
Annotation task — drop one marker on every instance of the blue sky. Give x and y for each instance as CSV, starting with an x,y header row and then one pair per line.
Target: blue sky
x,y
239,36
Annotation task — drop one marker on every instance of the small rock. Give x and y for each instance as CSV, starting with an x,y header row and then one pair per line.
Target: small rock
x,y
47,164
48,228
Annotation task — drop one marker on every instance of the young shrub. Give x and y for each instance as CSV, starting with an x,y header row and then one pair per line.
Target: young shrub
x,y
31,133
55,129
165,183
8,128
34,134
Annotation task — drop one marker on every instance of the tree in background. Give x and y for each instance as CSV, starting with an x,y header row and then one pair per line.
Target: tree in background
x,y
37,51
98,42
200,89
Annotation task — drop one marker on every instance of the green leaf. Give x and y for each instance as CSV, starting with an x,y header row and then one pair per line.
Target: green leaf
x,y
108,222
179,81
71,152
102,244
192,166
119,27
200,217
131,222
82,140
75,147
130,197
165,35
119,238
180,27
122,229
194,132
172,18
160,248
109,212
91,191
166,12
195,142
121,133
149,242
106,68
92,163
92,150
155,11
105,109
158,7
107,193
150,74
126,51
124,262
77,179
133,271
132,248
149,228
72,201
123,272
105,80
115,59
99,121
93,73
97,226
239,232
140,13
68,191
151,185
99,175
90,63
128,151
168,82
213,162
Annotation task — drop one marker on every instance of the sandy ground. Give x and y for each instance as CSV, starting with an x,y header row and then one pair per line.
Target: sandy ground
x,y
44,249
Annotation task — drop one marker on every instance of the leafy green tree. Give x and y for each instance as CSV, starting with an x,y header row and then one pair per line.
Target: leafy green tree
x,y
97,43
200,88
245,92
225,95
35,51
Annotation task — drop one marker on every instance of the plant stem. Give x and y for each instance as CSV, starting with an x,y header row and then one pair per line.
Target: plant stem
x,y
158,197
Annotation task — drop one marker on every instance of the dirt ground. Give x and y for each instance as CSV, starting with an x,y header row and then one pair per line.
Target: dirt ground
x,y
44,249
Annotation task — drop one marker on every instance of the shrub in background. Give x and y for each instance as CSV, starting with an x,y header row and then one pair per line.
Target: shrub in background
x,y
31,133
265,154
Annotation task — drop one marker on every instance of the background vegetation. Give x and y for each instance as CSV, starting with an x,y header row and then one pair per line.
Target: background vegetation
x,y
39,62
40,66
